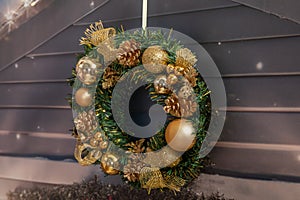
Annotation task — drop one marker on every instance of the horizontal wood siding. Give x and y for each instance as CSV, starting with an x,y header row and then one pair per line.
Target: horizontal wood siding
x,y
256,53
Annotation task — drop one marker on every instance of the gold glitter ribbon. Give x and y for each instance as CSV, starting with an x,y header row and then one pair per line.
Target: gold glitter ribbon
x,y
152,178
92,156
96,34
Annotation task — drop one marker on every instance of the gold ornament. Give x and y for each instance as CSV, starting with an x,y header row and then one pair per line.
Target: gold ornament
x,y
155,59
83,97
160,85
84,156
152,178
180,135
103,144
88,70
86,123
94,142
110,78
108,52
129,52
110,164
133,167
186,73
98,136
185,58
170,68
172,79
96,34
174,182
185,92
191,76
180,107
99,141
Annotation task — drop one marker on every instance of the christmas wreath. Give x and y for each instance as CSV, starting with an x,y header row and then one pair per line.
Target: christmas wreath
x,y
114,64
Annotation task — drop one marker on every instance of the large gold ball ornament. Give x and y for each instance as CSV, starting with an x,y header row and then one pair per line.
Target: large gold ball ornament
x,y
83,97
88,70
160,85
180,135
155,59
110,164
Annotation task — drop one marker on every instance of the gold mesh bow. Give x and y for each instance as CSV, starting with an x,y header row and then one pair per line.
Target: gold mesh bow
x,y
152,178
96,34
92,155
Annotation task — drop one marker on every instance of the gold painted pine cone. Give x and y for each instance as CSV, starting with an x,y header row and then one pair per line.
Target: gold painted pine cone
x,y
180,107
129,52
133,167
110,78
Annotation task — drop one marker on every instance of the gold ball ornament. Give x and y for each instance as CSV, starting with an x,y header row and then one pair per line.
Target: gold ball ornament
x,y
110,164
172,79
160,85
83,97
180,135
155,59
103,144
88,70
185,92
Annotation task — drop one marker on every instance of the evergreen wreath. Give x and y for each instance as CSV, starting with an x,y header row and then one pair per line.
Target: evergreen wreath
x,y
174,83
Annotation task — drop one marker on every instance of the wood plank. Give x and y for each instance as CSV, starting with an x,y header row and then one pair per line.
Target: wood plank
x,y
274,57
268,128
262,109
47,94
211,26
44,171
281,8
256,161
259,146
40,29
258,56
155,7
263,91
40,120
31,145
40,68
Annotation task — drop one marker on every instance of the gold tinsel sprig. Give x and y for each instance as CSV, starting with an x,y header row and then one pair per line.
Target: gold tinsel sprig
x,y
96,34
152,178
185,58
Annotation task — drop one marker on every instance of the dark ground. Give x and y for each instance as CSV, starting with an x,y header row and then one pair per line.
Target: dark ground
x,y
93,190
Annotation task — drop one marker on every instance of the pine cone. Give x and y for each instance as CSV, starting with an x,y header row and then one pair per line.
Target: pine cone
x,y
85,124
110,78
136,147
190,73
180,107
129,52
133,168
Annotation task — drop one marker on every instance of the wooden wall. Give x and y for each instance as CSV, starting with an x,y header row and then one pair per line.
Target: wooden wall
x,y
256,53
